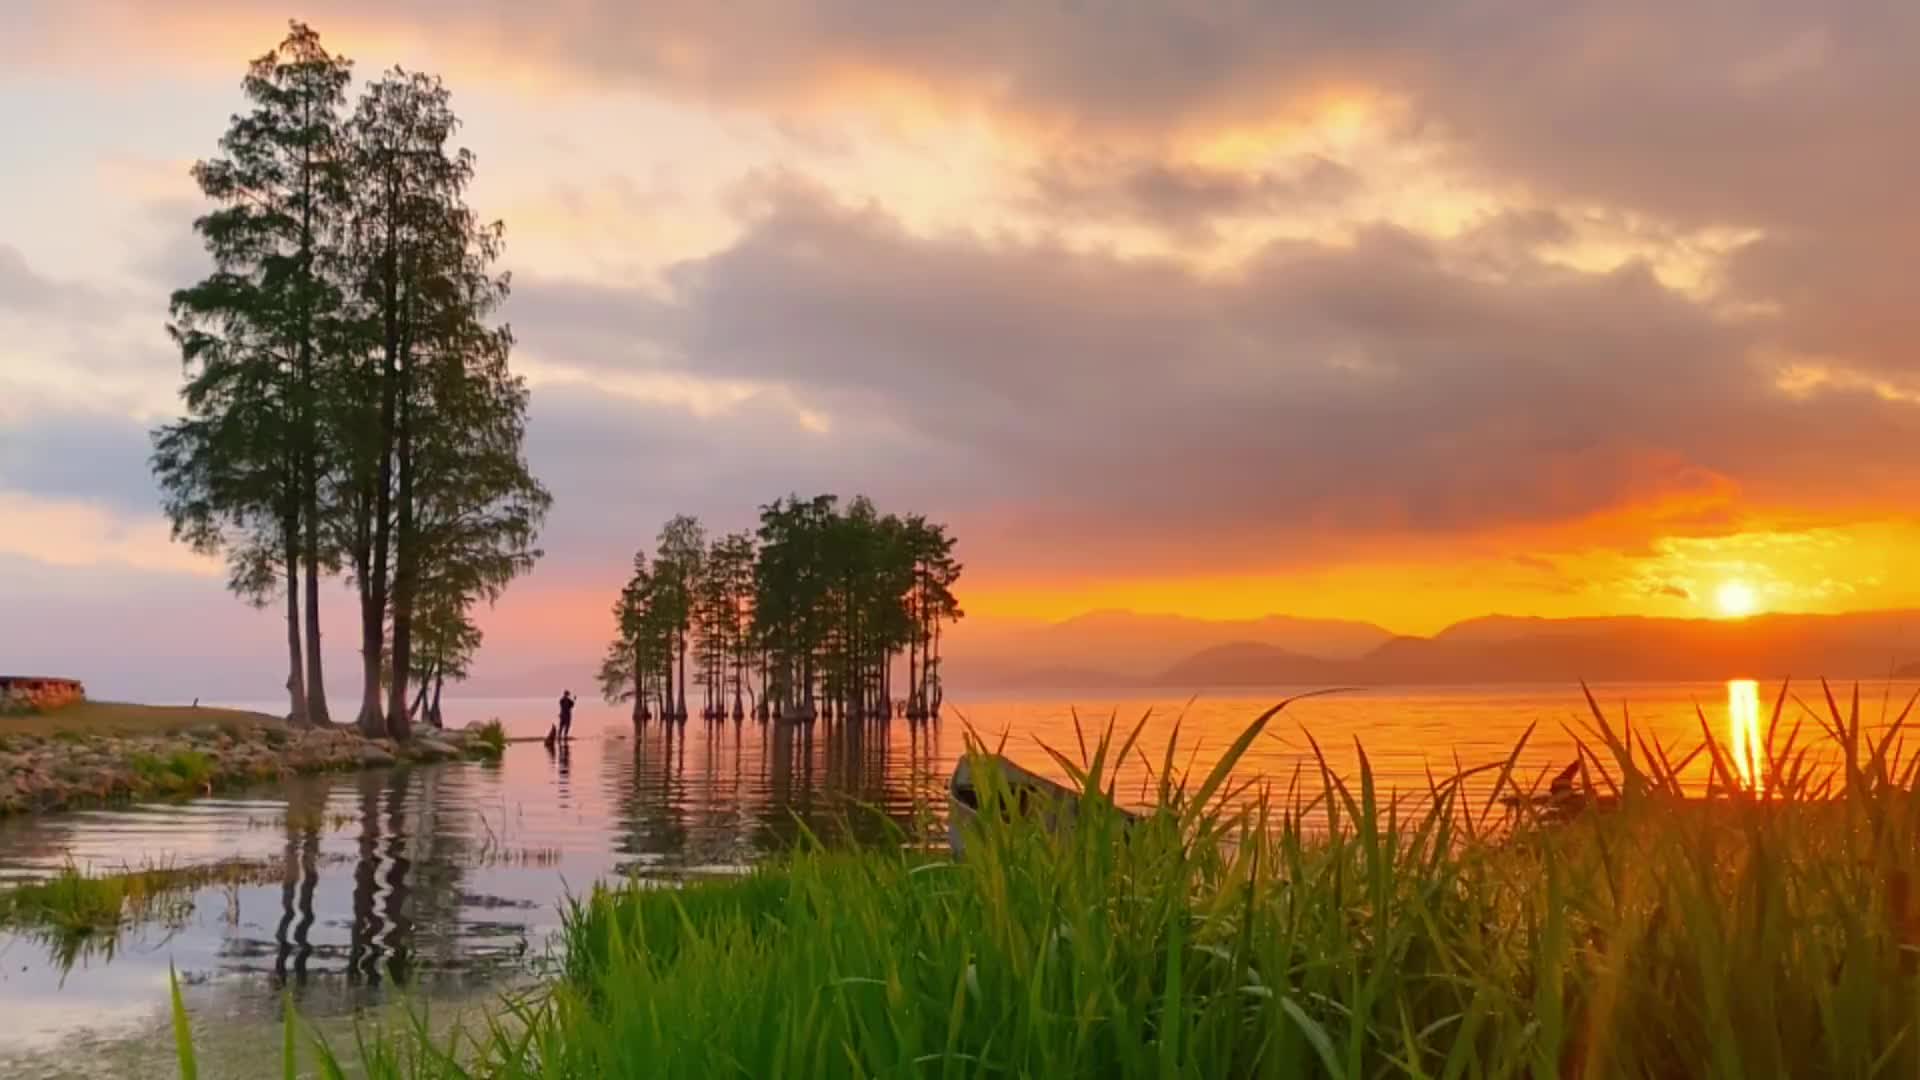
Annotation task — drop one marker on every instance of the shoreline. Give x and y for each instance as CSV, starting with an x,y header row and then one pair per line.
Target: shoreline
x,y
83,765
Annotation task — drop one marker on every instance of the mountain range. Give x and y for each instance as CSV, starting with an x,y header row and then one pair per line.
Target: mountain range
x,y
1492,649
1120,649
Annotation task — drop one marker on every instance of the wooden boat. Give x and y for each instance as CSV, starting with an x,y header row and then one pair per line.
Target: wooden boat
x,y
1054,805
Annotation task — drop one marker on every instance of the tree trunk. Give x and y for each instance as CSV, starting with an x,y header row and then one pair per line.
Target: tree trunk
x,y
680,705
373,603
407,556
317,711
371,575
405,543
420,699
433,711
640,687
666,698
296,676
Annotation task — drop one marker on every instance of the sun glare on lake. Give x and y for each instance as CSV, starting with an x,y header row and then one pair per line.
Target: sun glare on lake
x,y
1743,732
1736,600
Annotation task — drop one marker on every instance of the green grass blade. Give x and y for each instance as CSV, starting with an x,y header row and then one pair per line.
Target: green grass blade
x,y
182,1031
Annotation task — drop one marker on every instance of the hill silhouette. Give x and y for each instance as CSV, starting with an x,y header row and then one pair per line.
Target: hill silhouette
x,y
1614,649
1125,648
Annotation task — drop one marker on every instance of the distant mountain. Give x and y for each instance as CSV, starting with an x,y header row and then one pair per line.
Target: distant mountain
x,y
1867,645
1120,648
1247,663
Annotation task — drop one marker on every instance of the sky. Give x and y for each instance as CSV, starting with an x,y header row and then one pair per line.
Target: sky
x,y
1392,311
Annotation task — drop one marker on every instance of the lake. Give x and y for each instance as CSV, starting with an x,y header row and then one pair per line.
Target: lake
x,y
443,884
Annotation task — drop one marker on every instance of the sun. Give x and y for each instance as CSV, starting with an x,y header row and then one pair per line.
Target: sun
x,y
1736,600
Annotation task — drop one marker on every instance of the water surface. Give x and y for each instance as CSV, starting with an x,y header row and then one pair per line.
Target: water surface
x,y
444,883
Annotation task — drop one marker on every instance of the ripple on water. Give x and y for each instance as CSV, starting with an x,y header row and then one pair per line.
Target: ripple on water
x,y
448,878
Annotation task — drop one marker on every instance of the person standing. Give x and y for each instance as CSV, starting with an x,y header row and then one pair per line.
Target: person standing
x,y
566,713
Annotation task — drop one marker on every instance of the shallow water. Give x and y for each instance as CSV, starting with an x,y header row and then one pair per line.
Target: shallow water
x,y
441,884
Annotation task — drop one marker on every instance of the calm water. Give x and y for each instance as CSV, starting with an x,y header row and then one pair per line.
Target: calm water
x,y
443,883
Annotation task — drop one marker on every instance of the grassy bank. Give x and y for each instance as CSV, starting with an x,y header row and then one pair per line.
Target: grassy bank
x,y
98,753
1753,933
123,718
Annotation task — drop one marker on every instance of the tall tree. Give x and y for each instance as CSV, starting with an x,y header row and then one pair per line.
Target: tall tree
x,y
677,566
437,420
243,470
629,658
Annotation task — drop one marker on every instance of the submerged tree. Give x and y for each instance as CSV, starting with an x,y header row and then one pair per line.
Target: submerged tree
x,y
821,601
634,666
677,566
242,472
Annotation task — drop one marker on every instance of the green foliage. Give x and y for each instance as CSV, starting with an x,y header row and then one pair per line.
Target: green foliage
x,y
71,902
1328,930
181,770
821,600
182,1029
489,739
348,399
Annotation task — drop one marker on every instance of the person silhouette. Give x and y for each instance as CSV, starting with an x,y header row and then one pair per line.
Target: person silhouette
x,y
566,714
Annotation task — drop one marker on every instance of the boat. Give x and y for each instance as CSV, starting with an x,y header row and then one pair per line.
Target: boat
x,y
1053,804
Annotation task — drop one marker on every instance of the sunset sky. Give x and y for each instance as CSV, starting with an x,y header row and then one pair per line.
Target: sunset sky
x,y
1402,312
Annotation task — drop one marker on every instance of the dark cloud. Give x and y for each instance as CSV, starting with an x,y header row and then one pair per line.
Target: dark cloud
x,y
1187,200
1093,412
1323,396
100,457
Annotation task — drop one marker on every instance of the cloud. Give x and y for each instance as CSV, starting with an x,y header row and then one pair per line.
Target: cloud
x,y
80,533
99,457
1320,397
1550,275
1184,199
25,291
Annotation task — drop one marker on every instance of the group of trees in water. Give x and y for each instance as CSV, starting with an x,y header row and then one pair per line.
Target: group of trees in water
x,y
806,616
349,405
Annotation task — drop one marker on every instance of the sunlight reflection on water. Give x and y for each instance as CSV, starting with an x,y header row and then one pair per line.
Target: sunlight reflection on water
x,y
1744,734
448,879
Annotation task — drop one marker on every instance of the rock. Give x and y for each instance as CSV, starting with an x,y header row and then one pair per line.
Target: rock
x,y
431,749
372,756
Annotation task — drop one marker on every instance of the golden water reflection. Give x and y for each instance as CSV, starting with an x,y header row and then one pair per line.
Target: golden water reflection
x,y
1743,732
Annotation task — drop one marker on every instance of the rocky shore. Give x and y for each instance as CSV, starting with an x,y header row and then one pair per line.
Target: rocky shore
x,y
67,770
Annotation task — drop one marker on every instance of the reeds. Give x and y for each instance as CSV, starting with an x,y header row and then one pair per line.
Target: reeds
x,y
1331,929
489,740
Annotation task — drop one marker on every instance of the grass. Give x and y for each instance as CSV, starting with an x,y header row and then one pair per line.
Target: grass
x,y
180,771
488,740
72,902
1318,928
121,718
78,912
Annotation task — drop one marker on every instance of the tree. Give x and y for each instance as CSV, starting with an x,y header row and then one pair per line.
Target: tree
x,y
931,603
825,600
789,591
677,566
433,417
242,471
631,667
724,601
